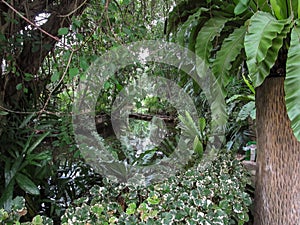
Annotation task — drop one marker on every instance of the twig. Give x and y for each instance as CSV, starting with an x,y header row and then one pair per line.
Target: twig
x,y
73,11
60,81
108,21
107,4
35,112
28,21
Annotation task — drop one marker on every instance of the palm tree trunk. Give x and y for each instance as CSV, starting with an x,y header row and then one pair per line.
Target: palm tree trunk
x,y
277,193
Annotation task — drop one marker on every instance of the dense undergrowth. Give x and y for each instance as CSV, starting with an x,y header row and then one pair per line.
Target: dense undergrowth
x,y
216,195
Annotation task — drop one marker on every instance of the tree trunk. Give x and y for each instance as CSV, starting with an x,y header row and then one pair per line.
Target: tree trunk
x,y
277,193
24,58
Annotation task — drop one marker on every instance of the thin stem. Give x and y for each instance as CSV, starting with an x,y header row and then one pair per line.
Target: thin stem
x,y
28,21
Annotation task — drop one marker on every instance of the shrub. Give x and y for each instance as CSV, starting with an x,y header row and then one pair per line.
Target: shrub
x,y
18,210
216,195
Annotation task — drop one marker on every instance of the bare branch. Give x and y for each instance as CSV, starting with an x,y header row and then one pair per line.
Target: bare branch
x,y
28,21
73,11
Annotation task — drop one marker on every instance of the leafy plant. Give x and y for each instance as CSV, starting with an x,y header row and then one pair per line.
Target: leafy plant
x,y
71,180
194,132
215,196
19,210
264,35
63,139
224,34
242,111
18,169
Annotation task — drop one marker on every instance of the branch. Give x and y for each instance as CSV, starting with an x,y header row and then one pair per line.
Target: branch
x,y
107,4
28,21
60,81
73,11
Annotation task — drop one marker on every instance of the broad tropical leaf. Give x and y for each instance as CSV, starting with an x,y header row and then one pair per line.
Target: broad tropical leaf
x,y
265,66
185,30
194,32
241,7
293,5
198,147
180,13
263,5
292,81
211,29
7,195
262,43
228,53
37,142
27,184
280,8
298,9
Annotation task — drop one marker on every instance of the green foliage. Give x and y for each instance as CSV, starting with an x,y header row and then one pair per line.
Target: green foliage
x,y
284,9
71,180
255,32
231,48
292,94
63,138
155,105
262,44
214,196
195,133
241,108
19,210
47,86
241,7
209,32
18,166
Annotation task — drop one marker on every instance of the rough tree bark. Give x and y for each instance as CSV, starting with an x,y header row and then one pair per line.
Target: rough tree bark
x,y
277,194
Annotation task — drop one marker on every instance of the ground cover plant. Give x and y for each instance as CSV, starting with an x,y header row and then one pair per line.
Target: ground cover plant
x,y
216,195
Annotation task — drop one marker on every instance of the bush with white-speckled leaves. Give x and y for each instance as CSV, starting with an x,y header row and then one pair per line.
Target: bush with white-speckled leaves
x,y
216,195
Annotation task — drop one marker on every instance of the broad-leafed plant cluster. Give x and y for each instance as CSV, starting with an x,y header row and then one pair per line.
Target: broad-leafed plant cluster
x,y
238,37
215,196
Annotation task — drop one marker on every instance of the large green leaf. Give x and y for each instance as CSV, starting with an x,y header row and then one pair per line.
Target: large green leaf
x,y
211,29
263,5
241,7
37,142
180,13
263,68
198,147
298,9
27,184
228,53
293,5
187,26
292,81
7,195
262,43
280,8
11,171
